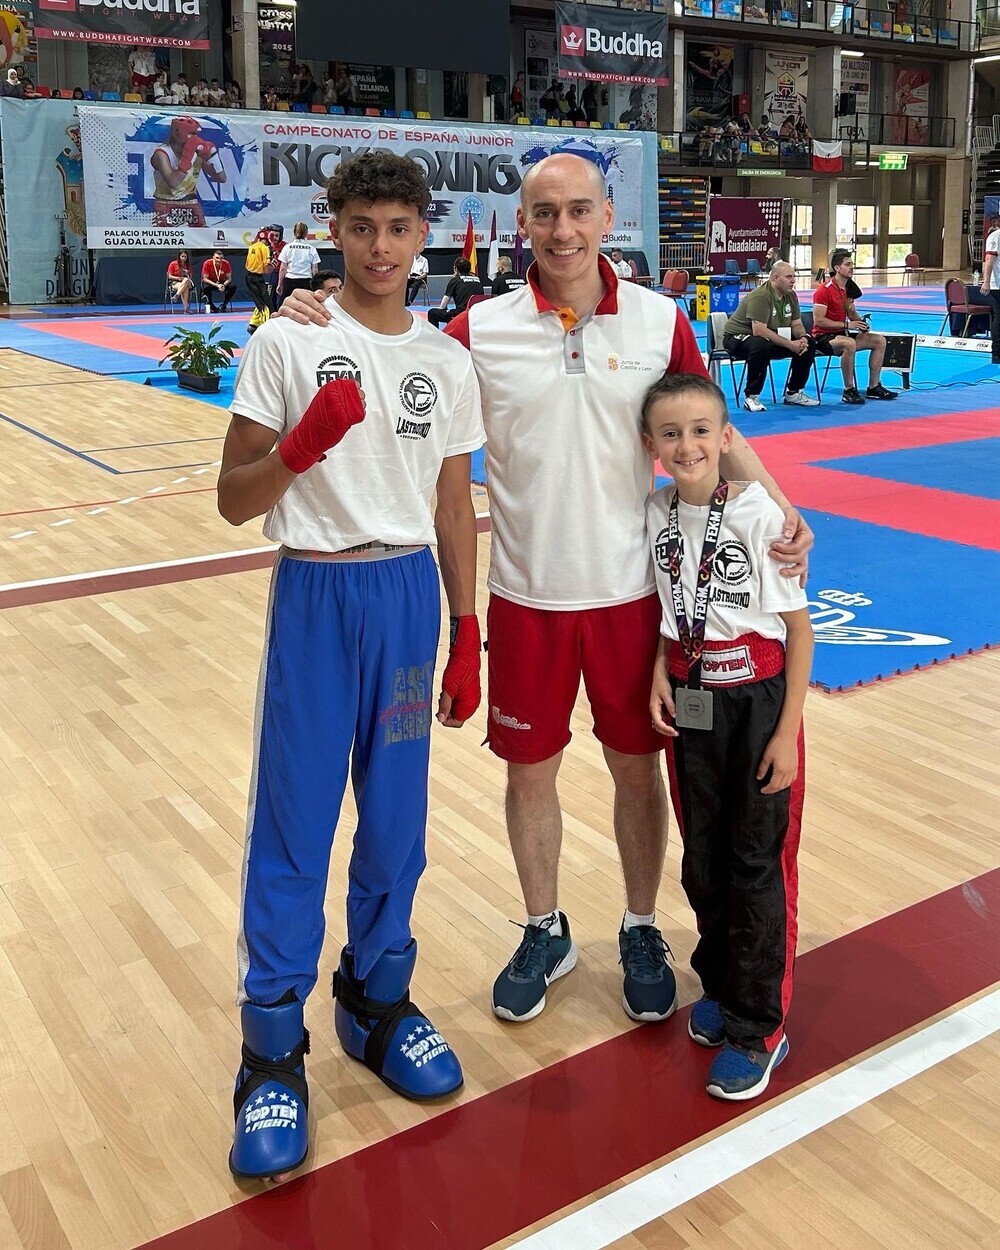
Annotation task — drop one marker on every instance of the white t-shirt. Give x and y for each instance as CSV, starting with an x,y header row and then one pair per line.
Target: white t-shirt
x,y
181,92
992,247
419,267
748,591
622,268
422,402
567,471
298,257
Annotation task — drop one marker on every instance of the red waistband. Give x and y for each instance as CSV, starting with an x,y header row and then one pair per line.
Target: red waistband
x,y
734,662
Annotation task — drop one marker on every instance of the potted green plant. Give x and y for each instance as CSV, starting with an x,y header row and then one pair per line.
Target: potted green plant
x,y
198,357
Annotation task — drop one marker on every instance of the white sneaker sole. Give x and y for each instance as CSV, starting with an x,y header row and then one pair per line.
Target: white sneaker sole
x,y
566,964
648,1017
699,1040
755,1091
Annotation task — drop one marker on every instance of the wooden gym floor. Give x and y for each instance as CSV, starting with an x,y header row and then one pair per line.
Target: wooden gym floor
x,y
124,757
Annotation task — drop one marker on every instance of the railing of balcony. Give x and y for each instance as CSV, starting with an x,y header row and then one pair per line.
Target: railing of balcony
x,y
850,20
900,129
714,154
989,20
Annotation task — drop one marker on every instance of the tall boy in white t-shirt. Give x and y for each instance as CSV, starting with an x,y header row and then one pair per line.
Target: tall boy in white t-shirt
x,y
341,435
728,689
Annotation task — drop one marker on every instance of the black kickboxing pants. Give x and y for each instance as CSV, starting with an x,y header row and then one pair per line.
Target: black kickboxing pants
x,y
739,867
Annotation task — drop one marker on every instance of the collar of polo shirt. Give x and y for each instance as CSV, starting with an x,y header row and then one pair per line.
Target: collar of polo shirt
x,y
608,303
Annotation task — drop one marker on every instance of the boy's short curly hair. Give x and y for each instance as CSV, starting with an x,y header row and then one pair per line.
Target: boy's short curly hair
x,y
377,177
674,384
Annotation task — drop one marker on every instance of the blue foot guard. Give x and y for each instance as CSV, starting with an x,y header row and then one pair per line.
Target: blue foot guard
x,y
271,1098
379,1026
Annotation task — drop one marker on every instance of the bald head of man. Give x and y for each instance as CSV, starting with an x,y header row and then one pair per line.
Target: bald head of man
x,y
565,214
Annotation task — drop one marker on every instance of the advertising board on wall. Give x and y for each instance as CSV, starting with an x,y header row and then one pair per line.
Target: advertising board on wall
x,y
154,23
245,170
741,228
708,84
611,45
786,85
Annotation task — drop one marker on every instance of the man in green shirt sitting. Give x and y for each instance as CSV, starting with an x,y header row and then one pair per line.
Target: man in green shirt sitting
x,y
766,326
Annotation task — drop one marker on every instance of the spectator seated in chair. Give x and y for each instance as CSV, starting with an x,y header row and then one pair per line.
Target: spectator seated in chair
x,y
460,290
839,331
620,265
767,326
217,280
179,280
418,277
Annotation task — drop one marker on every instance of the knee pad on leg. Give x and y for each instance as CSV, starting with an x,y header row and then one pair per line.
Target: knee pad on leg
x,y
271,1099
379,1026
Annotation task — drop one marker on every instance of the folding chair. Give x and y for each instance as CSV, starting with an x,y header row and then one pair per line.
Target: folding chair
x,y
807,321
718,355
956,300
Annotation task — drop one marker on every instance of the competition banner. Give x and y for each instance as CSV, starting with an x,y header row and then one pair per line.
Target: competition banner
x,y
276,44
155,23
612,45
786,85
708,84
204,180
910,105
43,186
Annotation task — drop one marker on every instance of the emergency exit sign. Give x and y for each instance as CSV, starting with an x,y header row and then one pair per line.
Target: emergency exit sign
x,y
892,161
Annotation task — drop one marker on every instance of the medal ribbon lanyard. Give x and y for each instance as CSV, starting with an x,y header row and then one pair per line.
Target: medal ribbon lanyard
x,y
692,633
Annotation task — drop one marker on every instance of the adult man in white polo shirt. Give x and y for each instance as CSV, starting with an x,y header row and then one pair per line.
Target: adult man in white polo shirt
x,y
563,365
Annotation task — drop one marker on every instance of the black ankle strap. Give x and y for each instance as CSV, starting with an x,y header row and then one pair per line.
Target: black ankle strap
x,y
380,1018
284,1071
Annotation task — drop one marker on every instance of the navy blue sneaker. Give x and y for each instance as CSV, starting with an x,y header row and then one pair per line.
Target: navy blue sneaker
x,y
650,990
519,991
706,1025
738,1074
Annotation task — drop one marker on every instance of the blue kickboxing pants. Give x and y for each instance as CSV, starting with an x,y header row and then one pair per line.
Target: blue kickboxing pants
x,y
347,678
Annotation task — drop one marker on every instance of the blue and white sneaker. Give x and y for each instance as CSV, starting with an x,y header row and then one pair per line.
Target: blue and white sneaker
x,y
519,991
738,1074
649,992
705,1024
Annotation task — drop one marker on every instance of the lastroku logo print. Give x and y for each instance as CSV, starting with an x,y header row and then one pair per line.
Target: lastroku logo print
x,y
335,368
418,395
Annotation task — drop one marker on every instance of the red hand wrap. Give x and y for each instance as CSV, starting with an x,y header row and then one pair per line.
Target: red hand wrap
x,y
336,406
461,674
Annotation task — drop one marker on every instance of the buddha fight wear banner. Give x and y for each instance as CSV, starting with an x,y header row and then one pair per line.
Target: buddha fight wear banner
x,y
251,169
612,45
43,185
155,23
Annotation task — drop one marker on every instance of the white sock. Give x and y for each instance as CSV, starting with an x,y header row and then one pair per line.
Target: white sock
x,y
550,920
632,920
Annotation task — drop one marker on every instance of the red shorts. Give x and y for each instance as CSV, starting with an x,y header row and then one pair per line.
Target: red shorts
x,y
536,659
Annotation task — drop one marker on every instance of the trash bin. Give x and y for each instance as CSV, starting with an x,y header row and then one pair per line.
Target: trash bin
x,y
725,294
701,299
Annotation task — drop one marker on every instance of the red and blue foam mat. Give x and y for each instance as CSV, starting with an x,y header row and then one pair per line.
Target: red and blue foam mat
x,y
884,602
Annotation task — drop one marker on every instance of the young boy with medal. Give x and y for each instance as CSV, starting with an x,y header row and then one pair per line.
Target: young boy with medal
x,y
728,688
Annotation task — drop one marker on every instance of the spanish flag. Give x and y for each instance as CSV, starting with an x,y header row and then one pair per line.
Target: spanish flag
x,y
469,251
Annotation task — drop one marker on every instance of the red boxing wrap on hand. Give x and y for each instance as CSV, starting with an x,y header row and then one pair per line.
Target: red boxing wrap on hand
x,y
461,673
193,147
336,406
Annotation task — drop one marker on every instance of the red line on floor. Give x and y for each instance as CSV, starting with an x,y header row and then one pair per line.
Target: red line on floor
x,y
105,503
484,1170
133,579
836,442
967,519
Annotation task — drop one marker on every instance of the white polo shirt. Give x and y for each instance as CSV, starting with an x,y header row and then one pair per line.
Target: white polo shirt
x,y
747,590
567,471
992,248
422,402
